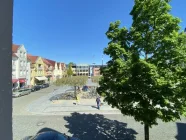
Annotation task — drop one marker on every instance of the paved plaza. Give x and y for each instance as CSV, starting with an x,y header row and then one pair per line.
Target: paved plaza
x,y
35,112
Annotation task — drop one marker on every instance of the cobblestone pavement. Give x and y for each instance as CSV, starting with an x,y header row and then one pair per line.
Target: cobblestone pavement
x,y
86,126
96,127
20,104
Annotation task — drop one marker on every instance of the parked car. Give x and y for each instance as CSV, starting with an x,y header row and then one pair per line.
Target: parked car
x,y
21,92
85,88
45,85
50,135
36,88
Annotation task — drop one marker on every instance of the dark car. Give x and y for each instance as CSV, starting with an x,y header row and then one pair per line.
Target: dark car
x,y
35,88
85,88
45,85
50,135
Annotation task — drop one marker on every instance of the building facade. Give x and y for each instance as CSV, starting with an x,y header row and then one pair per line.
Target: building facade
x,y
50,70
81,69
37,70
21,68
64,70
28,68
15,76
96,71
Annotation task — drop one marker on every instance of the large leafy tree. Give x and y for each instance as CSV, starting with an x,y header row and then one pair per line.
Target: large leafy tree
x,y
145,77
74,81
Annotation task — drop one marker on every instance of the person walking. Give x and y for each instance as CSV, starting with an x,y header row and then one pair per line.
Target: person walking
x,y
98,101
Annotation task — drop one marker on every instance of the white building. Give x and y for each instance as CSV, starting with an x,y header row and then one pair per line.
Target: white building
x,y
23,67
58,71
81,69
15,80
28,72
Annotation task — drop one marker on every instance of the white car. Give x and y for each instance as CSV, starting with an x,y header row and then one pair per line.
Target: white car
x,y
21,92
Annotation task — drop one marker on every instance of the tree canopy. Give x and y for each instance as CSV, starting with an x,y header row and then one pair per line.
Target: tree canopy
x,y
69,69
145,77
72,81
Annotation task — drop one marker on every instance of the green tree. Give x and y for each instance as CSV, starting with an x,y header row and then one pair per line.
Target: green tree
x,y
69,70
145,78
74,81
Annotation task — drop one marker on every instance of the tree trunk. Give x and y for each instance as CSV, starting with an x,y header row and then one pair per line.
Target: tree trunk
x,y
146,129
75,91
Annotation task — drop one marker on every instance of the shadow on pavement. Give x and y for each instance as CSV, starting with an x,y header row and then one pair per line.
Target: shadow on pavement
x,y
97,127
181,131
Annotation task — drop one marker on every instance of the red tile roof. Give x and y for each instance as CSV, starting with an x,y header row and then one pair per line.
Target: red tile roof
x,y
28,57
15,48
32,58
14,55
51,62
46,62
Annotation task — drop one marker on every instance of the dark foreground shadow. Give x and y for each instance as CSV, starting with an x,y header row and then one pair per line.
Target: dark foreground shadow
x,y
46,130
181,131
97,127
49,136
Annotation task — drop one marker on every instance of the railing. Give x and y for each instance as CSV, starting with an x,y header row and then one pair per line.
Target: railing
x,y
40,68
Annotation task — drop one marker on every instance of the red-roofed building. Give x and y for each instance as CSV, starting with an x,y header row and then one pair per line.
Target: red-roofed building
x,y
49,67
20,67
37,70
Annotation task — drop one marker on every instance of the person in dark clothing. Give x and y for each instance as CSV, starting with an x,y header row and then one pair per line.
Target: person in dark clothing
x,y
98,101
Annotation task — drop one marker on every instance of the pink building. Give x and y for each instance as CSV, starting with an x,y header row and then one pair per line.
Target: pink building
x,y
96,71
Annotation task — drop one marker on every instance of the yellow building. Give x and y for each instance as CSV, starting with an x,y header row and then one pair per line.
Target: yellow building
x,y
48,69
37,70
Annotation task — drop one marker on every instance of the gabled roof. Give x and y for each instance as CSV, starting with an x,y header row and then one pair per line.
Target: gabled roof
x,y
15,48
14,55
28,58
63,65
46,62
51,62
32,58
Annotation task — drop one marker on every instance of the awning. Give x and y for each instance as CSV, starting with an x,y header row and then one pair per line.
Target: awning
x,y
22,80
14,80
42,78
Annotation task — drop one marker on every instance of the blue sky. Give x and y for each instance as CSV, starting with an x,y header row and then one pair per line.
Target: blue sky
x,y
73,30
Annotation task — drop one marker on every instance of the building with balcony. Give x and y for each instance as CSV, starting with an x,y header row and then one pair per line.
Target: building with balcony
x,y
37,70
49,69
81,69
15,76
20,70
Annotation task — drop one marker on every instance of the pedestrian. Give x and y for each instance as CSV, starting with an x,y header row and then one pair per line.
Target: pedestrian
x,y
98,101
